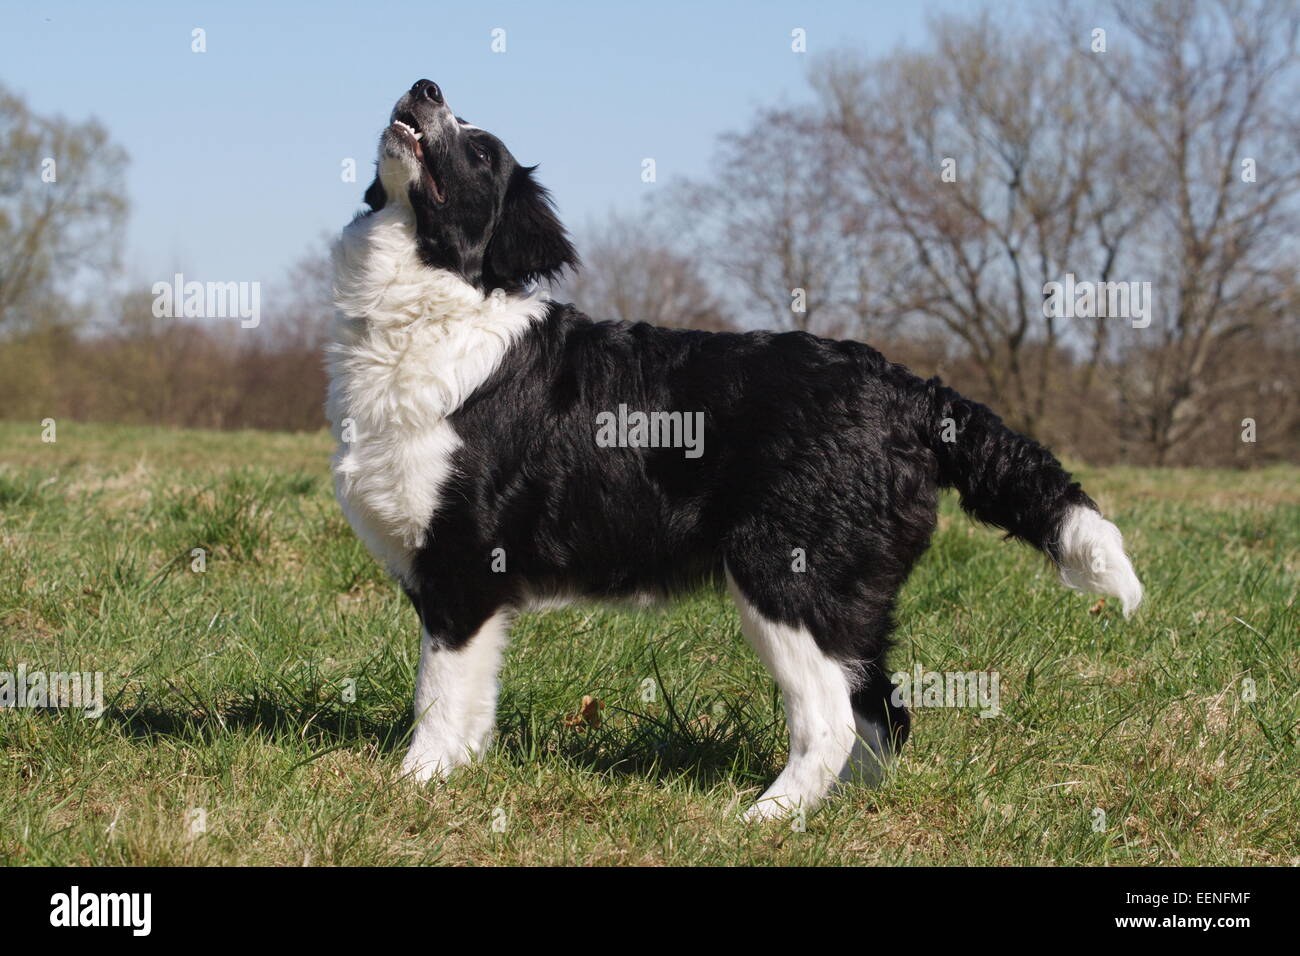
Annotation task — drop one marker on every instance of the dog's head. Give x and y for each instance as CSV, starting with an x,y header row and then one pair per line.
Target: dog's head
x,y
478,213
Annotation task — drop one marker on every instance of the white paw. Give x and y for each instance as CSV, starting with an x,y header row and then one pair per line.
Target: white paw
x,y
769,808
423,766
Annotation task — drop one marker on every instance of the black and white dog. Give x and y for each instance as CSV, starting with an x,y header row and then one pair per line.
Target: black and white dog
x,y
469,413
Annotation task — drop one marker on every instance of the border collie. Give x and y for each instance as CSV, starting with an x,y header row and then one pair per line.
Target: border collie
x,y
468,408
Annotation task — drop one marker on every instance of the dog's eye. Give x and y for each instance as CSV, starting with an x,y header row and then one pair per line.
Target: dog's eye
x,y
482,155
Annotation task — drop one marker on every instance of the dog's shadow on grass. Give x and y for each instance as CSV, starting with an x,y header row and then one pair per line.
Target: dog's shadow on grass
x,y
707,749
725,744
327,727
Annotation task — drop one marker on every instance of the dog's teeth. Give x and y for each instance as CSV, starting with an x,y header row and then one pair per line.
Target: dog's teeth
x,y
418,135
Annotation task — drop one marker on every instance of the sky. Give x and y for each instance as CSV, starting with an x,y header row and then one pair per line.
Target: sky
x,y
237,153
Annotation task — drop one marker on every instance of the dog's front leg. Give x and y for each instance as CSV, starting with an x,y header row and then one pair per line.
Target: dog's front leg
x,y
455,699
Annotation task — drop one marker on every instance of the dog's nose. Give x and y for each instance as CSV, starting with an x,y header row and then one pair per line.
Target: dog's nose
x,y
427,89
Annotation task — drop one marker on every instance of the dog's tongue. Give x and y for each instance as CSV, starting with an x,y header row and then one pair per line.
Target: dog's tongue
x,y
411,137
414,139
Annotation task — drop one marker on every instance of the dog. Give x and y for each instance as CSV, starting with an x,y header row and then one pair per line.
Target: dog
x,y
469,411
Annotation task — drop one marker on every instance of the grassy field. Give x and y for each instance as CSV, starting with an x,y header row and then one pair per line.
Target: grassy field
x,y
227,737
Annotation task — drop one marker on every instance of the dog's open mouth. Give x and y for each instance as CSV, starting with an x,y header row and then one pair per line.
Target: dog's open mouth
x,y
405,125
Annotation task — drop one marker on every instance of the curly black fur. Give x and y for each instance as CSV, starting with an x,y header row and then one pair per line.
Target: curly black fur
x,y
809,444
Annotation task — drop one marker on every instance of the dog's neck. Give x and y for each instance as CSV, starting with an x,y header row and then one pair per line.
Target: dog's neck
x,y
380,279
416,341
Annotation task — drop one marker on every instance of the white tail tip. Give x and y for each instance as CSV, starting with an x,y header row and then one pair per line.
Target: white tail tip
x,y
1092,558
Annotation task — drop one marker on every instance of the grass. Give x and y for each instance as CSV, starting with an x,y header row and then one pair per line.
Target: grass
x,y
227,738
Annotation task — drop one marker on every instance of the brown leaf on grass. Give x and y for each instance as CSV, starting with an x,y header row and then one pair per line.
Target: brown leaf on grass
x,y
1096,608
588,714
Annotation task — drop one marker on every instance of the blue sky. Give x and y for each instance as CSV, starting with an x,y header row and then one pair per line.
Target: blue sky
x,y
236,152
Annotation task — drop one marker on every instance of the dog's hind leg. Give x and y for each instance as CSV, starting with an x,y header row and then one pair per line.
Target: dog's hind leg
x,y
816,694
882,727
455,699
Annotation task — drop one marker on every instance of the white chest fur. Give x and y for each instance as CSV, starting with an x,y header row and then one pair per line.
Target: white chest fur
x,y
411,344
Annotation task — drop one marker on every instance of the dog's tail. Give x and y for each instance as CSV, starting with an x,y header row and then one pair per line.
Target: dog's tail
x,y
1011,481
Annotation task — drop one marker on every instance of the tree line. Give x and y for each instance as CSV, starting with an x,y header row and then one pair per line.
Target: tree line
x,y
1086,218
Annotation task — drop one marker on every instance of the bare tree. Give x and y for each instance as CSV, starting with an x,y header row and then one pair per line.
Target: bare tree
x,y
775,220
992,161
630,271
1210,93
62,208
302,303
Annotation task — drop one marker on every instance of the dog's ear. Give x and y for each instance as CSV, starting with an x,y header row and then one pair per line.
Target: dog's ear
x,y
529,242
375,196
